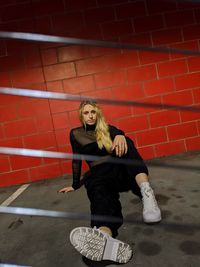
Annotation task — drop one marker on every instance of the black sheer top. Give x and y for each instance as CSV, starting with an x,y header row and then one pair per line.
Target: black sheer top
x,y
83,141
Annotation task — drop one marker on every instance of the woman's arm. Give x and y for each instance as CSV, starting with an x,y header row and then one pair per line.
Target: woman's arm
x,y
76,167
119,141
76,164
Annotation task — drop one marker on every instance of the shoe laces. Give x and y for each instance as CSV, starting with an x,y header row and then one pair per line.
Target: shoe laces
x,y
149,200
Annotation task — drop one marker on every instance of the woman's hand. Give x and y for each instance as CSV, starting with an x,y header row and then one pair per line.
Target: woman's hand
x,y
120,145
66,189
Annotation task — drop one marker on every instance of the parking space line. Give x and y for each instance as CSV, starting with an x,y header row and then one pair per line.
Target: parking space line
x,y
19,191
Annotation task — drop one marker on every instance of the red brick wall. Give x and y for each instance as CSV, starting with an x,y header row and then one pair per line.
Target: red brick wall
x,y
111,73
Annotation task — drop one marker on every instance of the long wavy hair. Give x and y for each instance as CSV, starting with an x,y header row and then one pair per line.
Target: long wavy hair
x,y
101,130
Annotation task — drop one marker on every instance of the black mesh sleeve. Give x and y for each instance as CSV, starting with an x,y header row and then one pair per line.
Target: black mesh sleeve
x,y
115,131
76,164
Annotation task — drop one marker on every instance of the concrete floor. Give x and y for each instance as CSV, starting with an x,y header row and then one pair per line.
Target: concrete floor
x,y
175,242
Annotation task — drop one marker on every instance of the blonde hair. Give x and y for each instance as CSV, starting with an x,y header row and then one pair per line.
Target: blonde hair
x,y
101,130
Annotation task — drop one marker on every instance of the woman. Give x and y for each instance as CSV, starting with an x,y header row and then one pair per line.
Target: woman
x,y
104,181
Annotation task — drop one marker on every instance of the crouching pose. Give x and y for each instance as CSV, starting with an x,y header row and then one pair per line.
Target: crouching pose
x,y
104,181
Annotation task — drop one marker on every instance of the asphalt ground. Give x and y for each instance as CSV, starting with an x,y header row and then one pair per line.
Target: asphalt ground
x,y
44,242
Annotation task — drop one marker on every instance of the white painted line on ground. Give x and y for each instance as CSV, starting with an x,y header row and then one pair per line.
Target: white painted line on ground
x,y
19,191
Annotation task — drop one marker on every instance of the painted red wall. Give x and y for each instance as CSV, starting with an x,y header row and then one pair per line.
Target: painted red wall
x,y
111,73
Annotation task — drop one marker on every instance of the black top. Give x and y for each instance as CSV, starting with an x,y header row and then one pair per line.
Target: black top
x,y
83,141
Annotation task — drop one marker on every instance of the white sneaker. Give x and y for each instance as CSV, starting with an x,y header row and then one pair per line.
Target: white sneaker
x,y
97,245
151,211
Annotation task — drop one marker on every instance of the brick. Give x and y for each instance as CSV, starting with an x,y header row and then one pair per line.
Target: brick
x,y
20,128
153,136
78,85
8,113
73,22
157,87
170,148
133,124
26,25
101,51
116,29
10,99
197,14
164,118
117,112
5,79
14,178
140,109
49,56
61,121
187,45
143,73
55,86
110,2
12,63
190,116
181,131
172,68
45,7
8,2
35,108
147,57
167,36
191,32
193,64
2,134
74,119
179,18
62,137
187,81
45,172
187,5
59,71
130,10
3,51
44,123
71,53
178,98
157,6
196,94
32,57
20,162
99,15
148,23
110,79
147,152
80,4
131,92
193,143
40,141
4,164
43,25
26,77
106,63
15,47
16,12
140,39
63,106
14,142
89,66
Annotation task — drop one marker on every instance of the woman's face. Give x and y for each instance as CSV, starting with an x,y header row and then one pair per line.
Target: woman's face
x,y
89,114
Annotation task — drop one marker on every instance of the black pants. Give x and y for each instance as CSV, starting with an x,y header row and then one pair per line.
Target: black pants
x,y
104,182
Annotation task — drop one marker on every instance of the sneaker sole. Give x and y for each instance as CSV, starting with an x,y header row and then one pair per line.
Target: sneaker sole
x,y
97,246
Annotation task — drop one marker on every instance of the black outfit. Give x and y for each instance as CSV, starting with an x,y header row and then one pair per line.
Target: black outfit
x,y
105,180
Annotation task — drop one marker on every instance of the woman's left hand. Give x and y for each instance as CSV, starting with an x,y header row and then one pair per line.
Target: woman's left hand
x,y
120,145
